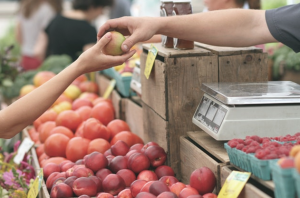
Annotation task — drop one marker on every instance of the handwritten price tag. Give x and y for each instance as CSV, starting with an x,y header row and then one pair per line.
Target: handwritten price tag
x,y
109,89
234,184
150,60
36,186
23,149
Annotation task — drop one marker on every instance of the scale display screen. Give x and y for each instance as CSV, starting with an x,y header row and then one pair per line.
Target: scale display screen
x,y
210,114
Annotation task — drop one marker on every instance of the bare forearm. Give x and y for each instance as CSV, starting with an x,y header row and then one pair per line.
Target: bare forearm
x,y
24,111
235,27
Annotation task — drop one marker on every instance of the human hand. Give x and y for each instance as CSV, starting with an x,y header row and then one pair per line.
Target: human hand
x,y
94,60
138,29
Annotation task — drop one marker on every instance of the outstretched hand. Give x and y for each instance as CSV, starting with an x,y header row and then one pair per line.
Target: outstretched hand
x,y
93,59
138,29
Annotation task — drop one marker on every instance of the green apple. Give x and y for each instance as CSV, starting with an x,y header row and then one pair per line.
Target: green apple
x,y
114,46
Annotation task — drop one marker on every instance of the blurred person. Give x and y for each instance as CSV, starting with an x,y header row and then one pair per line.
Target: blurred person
x,y
33,17
71,32
120,8
25,110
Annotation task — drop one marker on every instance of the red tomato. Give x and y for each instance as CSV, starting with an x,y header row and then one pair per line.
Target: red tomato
x,y
62,130
84,112
40,150
125,136
69,119
117,126
55,160
55,145
46,129
77,148
93,129
100,145
103,112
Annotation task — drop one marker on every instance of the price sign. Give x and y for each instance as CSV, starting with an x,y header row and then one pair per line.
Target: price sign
x,y
36,186
23,149
150,60
109,89
234,184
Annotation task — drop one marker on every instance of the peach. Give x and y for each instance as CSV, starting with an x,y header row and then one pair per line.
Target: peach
x,y
63,163
70,180
82,172
101,174
105,195
67,166
156,155
26,89
295,149
164,171
187,192
107,152
119,148
52,177
131,153
138,162
136,187
209,195
42,77
167,195
118,163
58,181
81,102
114,46
84,196
169,180
113,184
145,195
286,162
110,158
50,168
147,145
137,147
203,180
146,187
158,187
127,175
147,175
79,162
98,182
95,161
126,193
195,196
61,190
177,187
85,186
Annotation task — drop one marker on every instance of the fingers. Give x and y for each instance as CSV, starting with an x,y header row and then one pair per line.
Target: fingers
x,y
104,40
131,41
118,60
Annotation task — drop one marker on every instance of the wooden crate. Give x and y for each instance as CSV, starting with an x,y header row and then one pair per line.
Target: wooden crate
x,y
251,189
198,149
133,113
173,90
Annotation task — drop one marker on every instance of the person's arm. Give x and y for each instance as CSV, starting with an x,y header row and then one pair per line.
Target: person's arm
x,y
18,33
24,111
234,27
41,46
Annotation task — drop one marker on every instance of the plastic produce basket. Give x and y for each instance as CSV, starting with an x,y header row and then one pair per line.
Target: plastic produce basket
x,y
238,158
296,177
110,72
232,154
261,168
123,84
284,181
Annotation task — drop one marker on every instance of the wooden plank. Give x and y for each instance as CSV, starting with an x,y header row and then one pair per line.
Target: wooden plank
x,y
155,128
170,52
226,51
116,101
249,190
185,77
103,83
192,158
251,67
154,88
216,148
134,118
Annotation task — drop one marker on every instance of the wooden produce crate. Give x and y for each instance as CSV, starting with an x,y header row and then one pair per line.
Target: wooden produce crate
x,y
209,153
103,82
133,114
252,189
173,90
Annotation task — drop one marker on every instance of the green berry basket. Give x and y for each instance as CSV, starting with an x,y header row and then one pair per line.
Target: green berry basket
x,y
232,154
296,177
261,168
284,181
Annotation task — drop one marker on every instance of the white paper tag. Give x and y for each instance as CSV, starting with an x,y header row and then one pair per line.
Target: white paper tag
x,y
23,149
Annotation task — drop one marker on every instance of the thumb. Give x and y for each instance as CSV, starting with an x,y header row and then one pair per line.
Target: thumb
x,y
130,41
104,40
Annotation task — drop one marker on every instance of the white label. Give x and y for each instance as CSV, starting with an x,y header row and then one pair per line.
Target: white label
x,y
23,149
219,117
211,112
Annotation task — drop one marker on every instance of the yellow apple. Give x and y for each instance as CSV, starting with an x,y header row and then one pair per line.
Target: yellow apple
x,y
72,92
26,89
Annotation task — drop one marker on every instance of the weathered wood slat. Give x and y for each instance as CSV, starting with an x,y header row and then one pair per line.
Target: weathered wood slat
x,y
134,117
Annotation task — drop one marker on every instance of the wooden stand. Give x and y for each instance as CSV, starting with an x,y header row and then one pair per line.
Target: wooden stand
x,y
173,90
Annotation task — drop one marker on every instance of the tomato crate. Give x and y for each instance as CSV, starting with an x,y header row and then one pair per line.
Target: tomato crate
x,y
284,181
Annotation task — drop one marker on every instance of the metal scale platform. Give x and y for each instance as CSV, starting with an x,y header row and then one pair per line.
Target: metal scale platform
x,y
237,110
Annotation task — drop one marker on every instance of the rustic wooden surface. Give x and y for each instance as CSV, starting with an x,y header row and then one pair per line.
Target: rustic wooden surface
x,y
155,129
192,158
170,52
249,190
102,82
251,67
225,51
216,148
134,117
154,88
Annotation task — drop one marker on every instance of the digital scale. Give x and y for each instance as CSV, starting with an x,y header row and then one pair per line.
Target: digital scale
x,y
237,110
135,83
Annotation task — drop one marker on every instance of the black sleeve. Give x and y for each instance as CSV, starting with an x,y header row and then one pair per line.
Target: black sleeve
x,y
284,25
89,35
